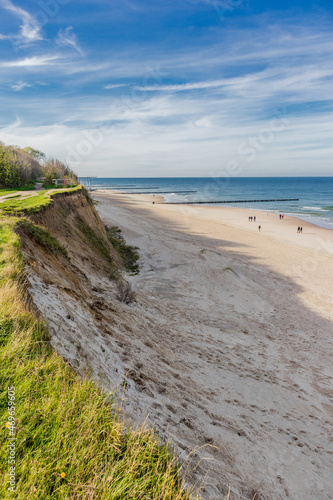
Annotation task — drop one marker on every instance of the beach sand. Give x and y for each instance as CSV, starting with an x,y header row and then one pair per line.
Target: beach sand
x,y
232,348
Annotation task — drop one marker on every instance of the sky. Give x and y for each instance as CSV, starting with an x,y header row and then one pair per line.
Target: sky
x,y
179,88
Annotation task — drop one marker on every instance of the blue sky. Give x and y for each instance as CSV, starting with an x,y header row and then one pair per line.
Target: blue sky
x,y
176,88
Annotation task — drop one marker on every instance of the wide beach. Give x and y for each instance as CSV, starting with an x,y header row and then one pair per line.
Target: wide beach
x,y
235,344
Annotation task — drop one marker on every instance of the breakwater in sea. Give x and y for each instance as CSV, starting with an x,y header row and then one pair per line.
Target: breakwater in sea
x,y
226,201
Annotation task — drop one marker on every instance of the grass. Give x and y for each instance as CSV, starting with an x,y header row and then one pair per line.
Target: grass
x,y
42,237
53,186
13,196
93,240
230,269
32,204
71,443
129,254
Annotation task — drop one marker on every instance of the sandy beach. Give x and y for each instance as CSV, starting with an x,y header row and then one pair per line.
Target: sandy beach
x,y
231,343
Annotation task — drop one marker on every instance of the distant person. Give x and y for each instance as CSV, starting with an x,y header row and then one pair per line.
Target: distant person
x,y
298,229
249,219
254,218
259,228
280,216
301,230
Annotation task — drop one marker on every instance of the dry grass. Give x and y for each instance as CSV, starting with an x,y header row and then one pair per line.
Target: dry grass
x,y
125,292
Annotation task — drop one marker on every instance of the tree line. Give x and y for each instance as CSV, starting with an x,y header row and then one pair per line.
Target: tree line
x,y
23,167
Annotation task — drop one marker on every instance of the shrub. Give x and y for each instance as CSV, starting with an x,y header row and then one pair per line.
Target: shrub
x,y
9,171
129,254
125,292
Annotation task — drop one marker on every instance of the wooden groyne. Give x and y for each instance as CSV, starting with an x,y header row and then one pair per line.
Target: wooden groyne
x,y
135,187
228,201
161,192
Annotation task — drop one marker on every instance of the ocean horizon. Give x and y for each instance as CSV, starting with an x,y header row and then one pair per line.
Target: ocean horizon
x,y
314,194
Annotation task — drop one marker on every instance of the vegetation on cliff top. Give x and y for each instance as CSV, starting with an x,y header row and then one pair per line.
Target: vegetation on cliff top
x,y
70,441
32,204
22,168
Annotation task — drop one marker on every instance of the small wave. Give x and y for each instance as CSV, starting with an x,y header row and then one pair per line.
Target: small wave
x,y
173,197
319,209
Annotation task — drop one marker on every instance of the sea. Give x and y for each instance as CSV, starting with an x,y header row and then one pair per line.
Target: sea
x,y
314,194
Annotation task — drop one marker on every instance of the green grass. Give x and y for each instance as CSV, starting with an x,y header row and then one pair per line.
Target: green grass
x,y
129,254
32,204
14,196
71,443
53,186
93,240
230,269
42,237
3,192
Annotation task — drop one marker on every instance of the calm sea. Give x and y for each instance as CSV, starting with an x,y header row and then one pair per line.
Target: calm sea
x,y
315,193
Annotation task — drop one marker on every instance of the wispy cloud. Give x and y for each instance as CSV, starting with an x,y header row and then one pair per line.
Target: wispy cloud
x,y
30,30
115,86
20,86
29,62
67,38
183,86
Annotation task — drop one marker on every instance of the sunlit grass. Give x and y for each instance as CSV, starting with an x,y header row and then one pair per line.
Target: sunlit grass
x,y
32,204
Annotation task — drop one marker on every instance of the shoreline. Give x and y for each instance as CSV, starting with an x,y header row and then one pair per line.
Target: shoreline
x,y
232,335
299,217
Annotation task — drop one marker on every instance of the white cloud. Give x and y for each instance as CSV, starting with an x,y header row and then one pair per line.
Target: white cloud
x,y
115,86
184,86
67,38
29,62
30,31
20,86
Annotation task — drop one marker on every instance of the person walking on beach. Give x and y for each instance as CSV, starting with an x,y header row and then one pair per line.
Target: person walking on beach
x,y
259,227
298,229
301,230
254,218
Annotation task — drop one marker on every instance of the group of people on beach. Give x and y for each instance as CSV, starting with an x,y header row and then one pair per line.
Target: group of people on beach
x,y
253,219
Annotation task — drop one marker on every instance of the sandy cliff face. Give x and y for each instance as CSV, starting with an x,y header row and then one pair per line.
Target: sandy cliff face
x,y
77,293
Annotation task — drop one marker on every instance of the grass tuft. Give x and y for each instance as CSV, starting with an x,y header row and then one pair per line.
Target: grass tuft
x,y
42,237
93,240
129,254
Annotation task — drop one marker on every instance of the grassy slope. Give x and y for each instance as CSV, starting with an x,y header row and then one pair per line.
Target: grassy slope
x,y
71,444
32,204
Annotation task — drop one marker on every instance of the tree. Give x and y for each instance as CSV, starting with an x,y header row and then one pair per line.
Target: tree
x,y
9,171
35,153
